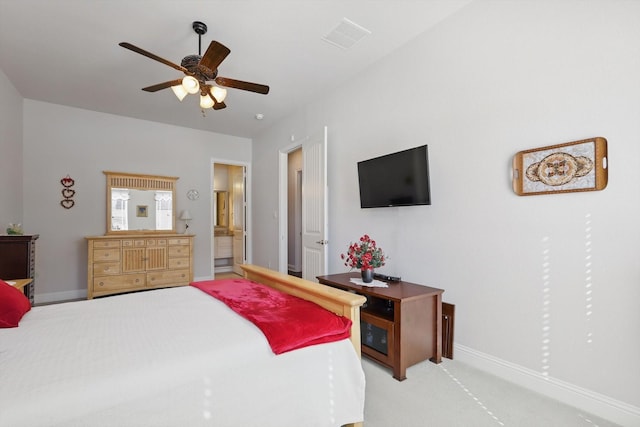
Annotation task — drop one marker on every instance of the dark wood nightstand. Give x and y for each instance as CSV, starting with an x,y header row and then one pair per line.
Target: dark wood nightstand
x,y
400,325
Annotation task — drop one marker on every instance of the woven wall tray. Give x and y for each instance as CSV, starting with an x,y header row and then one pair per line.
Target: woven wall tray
x,y
562,168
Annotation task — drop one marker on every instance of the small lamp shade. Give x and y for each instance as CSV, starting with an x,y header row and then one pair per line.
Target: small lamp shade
x,y
206,101
179,91
219,93
190,84
185,215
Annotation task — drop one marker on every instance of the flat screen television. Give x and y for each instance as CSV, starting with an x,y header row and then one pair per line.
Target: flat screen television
x,y
397,179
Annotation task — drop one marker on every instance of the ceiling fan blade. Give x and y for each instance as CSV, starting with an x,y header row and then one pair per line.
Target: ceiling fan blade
x,y
239,84
153,56
161,86
215,54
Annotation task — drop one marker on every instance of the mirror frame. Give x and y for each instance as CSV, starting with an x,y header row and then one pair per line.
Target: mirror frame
x,y
140,182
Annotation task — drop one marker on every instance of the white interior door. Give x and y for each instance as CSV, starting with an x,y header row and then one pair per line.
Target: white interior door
x,y
314,206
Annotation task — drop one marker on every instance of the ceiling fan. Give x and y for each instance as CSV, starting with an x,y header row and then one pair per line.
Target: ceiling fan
x,y
199,71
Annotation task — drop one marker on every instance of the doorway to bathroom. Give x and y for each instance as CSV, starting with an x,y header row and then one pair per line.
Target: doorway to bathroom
x,y
229,217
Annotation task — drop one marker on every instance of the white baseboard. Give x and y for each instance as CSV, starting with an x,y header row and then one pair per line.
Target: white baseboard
x,y
580,398
294,268
60,296
77,294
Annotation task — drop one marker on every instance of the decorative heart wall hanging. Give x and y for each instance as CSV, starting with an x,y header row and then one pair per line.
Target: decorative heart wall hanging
x,y
67,192
67,181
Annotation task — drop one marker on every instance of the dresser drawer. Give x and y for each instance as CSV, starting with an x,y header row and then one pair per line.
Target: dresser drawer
x,y
106,244
168,278
105,268
123,281
179,241
106,255
178,251
178,263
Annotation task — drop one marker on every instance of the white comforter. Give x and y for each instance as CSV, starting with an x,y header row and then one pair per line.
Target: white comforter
x,y
170,357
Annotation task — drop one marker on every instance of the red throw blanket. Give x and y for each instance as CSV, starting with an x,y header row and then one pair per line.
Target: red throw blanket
x,y
288,322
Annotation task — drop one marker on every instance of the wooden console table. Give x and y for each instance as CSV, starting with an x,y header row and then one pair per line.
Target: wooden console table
x,y
400,325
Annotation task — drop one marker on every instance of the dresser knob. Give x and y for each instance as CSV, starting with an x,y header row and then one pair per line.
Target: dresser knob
x,y
101,284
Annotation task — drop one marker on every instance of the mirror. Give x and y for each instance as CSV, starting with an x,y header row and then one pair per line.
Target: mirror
x,y
221,208
140,203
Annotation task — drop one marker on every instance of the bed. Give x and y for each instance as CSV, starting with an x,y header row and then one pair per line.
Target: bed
x,y
177,357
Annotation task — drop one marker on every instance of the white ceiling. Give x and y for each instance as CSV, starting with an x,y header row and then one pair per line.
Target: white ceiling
x,y
66,52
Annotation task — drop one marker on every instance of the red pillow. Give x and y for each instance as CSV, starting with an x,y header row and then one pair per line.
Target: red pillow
x,y
13,305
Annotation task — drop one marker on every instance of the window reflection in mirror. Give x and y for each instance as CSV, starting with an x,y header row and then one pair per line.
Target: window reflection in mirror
x,y
133,209
140,203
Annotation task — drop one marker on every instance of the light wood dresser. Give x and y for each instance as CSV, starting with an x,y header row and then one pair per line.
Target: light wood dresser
x,y
118,264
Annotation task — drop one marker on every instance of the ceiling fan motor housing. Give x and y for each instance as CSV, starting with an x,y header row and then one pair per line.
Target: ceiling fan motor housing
x,y
190,62
199,71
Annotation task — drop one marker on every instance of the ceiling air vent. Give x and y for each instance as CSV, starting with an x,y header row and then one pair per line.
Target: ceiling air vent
x,y
346,34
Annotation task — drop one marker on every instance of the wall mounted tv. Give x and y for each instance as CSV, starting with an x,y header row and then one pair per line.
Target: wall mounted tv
x,y
397,179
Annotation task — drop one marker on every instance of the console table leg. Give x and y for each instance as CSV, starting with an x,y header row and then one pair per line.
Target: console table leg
x,y
437,358
400,373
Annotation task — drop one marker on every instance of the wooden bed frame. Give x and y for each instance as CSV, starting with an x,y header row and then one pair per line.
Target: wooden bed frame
x,y
340,302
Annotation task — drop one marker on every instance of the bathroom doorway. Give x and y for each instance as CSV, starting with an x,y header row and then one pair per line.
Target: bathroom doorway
x,y
229,217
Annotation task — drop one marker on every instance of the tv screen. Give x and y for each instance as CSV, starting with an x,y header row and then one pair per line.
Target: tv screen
x,y
397,179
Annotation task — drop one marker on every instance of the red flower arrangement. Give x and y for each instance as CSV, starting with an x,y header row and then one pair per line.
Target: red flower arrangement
x,y
364,255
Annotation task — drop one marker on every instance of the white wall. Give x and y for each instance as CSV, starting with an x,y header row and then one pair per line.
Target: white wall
x,y
10,154
61,140
494,79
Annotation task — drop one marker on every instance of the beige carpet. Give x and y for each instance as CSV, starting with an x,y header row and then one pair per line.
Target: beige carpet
x,y
453,394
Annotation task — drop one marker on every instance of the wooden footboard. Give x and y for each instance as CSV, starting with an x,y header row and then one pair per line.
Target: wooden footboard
x,y
343,303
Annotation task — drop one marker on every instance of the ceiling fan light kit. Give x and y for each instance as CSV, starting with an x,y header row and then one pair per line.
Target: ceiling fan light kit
x,y
206,101
219,93
198,71
179,91
191,85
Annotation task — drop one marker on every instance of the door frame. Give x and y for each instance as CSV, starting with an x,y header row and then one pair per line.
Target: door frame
x,y
248,250
297,222
282,213
283,168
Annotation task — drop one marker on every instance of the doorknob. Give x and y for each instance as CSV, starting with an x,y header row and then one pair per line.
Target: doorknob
x,y
322,242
